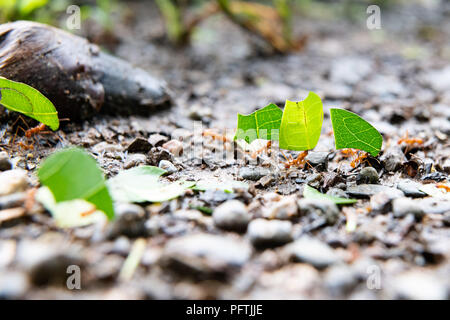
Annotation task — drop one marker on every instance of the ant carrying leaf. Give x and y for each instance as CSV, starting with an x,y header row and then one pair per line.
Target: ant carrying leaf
x,y
24,99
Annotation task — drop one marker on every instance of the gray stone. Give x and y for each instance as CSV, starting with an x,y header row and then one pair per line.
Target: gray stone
x,y
404,206
393,159
13,285
311,251
5,164
340,279
253,173
168,166
175,147
231,215
269,233
336,192
367,175
411,189
319,207
157,140
319,160
314,180
368,190
139,145
12,181
419,285
130,221
205,255
284,209
134,160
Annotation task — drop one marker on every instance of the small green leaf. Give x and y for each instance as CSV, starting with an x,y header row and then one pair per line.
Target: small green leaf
x,y
141,184
352,131
301,123
73,174
261,124
22,98
311,193
69,214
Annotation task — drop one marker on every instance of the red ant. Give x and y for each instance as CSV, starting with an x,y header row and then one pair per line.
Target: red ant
x,y
31,132
358,156
214,135
262,149
409,141
443,186
300,160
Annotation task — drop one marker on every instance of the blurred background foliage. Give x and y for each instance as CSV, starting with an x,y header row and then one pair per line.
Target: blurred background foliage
x,y
270,20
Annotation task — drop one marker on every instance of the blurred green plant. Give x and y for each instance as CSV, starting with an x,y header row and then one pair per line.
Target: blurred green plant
x,y
271,22
19,9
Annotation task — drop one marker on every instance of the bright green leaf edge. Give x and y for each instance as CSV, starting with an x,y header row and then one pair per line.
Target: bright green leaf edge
x,y
352,131
311,193
22,98
301,123
259,124
73,174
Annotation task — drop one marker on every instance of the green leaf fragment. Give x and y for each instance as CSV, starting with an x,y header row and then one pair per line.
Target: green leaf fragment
x,y
311,193
301,123
69,214
142,184
352,131
24,99
73,174
261,124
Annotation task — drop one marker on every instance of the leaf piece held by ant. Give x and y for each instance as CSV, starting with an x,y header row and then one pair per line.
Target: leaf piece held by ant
x,y
352,131
141,184
261,124
73,174
311,193
24,99
301,123
69,214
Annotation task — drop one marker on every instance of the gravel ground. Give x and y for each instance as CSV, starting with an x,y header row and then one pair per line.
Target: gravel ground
x,y
265,241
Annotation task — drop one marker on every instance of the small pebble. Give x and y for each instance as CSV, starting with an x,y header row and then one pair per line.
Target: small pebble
x,y
157,140
231,215
130,221
411,189
5,164
139,145
367,175
168,166
269,233
404,206
174,146
253,173
319,207
12,181
319,160
312,251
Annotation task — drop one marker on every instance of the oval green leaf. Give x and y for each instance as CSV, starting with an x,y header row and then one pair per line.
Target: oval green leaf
x,y
261,124
141,184
19,97
301,123
73,174
352,131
